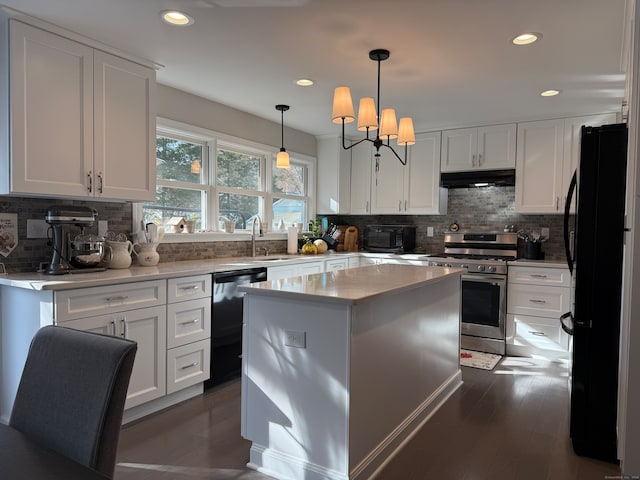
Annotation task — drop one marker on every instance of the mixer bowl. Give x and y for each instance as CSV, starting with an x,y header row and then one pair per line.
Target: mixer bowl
x,y
87,253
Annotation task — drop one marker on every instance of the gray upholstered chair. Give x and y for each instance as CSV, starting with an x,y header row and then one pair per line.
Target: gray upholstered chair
x,y
72,392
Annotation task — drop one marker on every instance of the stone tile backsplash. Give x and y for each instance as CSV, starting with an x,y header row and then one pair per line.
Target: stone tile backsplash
x,y
472,209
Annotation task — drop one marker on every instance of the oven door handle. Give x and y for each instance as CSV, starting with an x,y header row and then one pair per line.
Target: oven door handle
x,y
484,278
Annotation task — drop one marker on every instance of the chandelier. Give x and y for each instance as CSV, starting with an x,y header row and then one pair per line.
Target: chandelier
x,y
368,117
282,159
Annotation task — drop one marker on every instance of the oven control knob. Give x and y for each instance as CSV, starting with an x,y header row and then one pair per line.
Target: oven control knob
x,y
448,265
463,265
492,268
481,268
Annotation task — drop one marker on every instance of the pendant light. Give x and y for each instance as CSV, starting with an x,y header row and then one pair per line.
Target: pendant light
x,y
282,160
368,117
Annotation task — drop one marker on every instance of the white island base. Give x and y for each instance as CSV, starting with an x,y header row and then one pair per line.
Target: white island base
x,y
341,368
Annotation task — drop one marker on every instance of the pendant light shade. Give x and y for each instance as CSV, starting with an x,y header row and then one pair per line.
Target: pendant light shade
x,y
388,124
406,134
342,105
282,159
369,116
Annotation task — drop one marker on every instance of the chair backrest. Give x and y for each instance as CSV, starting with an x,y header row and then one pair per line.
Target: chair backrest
x,y
72,392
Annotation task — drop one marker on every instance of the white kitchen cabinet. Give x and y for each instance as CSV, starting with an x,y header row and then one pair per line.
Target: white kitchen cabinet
x,y
335,264
548,153
334,176
188,331
295,270
536,298
147,327
483,148
413,188
361,179
81,122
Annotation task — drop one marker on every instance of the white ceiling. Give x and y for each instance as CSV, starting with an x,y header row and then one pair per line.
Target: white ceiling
x,y
452,62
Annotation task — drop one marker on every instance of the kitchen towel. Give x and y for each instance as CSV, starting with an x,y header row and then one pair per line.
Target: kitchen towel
x,y
292,240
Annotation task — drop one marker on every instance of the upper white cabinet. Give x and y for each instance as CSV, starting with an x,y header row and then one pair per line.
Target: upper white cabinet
x,y
547,155
483,148
81,122
413,188
334,175
361,158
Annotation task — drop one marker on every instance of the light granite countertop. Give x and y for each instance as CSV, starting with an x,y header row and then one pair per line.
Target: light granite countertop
x,y
353,285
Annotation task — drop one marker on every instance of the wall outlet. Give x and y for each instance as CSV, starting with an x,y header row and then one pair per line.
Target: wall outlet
x,y
545,232
103,226
37,228
295,339
429,231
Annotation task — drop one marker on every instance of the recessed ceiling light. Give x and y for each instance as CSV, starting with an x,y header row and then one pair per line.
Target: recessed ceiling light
x,y
550,93
526,38
304,82
175,17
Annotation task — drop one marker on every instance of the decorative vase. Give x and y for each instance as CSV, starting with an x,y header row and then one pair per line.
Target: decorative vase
x,y
146,254
118,254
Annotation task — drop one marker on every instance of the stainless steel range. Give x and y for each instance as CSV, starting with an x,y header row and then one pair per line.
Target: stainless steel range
x,y
483,309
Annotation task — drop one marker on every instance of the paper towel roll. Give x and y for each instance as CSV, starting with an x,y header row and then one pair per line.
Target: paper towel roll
x,y
292,240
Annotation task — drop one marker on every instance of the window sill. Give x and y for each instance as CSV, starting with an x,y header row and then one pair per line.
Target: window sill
x,y
240,236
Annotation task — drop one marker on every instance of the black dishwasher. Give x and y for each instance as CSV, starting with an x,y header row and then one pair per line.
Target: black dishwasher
x,y
226,322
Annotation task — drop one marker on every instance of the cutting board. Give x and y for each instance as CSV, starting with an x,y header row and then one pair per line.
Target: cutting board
x,y
351,239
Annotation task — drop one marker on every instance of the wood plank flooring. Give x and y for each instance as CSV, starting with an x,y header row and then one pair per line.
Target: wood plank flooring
x,y
507,424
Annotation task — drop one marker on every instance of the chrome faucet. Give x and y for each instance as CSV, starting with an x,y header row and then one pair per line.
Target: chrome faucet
x,y
253,233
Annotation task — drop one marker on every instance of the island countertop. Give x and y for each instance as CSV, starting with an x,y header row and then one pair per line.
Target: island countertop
x,y
353,285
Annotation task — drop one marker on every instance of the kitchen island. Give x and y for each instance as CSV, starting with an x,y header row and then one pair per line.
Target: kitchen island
x,y
340,368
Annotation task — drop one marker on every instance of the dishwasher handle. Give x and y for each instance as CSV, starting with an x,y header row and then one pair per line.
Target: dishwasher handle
x,y
248,275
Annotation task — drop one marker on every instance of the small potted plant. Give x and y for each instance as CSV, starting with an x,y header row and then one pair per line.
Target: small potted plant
x,y
532,244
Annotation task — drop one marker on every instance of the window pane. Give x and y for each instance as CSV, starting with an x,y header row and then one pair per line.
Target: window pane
x,y
237,170
289,210
175,202
239,208
290,181
178,160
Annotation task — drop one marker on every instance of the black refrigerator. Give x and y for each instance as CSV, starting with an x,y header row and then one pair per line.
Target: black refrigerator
x,y
595,259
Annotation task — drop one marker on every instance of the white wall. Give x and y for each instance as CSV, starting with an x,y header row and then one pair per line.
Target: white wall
x,y
193,110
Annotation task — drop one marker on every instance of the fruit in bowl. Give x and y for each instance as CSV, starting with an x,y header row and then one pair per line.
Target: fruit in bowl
x,y
309,248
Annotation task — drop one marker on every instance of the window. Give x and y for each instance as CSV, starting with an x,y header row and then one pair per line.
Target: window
x,y
211,178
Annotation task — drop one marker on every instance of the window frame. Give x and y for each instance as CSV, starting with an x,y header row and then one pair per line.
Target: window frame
x,y
212,140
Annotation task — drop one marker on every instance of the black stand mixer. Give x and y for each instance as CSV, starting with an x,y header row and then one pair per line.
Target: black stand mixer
x,y
84,252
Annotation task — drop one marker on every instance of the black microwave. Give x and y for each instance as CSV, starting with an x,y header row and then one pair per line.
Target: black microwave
x,y
389,238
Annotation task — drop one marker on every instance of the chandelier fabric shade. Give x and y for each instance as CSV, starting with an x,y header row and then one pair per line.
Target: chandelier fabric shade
x,y
282,159
368,117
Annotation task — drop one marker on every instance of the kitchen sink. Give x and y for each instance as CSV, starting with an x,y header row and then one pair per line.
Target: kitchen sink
x,y
272,259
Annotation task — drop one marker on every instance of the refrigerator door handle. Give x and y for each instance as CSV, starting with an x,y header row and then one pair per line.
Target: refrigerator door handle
x,y
564,326
567,213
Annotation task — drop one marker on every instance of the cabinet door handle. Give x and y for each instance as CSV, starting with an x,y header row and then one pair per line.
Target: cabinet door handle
x,y
124,327
366,208
557,203
473,160
399,205
113,328
538,334
535,300
90,181
184,367
189,287
537,275
479,159
117,297
405,205
190,322
100,182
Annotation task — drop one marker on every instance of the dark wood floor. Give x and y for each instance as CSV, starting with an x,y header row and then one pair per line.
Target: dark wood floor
x,y
508,424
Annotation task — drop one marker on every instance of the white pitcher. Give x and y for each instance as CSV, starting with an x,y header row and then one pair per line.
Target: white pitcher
x,y
146,254
118,254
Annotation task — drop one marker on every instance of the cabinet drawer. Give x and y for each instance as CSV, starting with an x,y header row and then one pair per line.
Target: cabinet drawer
x,y
188,321
538,333
336,264
540,276
537,300
188,365
86,302
187,288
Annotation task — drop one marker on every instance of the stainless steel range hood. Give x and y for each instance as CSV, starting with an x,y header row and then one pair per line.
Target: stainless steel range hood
x,y
481,178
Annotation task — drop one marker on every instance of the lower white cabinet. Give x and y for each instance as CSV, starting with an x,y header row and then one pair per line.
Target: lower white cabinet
x,y
536,298
295,270
148,327
335,264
